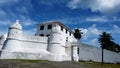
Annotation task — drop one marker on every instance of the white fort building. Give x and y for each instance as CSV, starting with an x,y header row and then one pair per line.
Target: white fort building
x,y
53,41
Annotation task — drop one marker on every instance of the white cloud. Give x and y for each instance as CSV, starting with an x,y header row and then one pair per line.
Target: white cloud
x,y
3,2
102,19
97,19
7,22
91,31
90,35
116,29
28,22
103,6
94,42
74,4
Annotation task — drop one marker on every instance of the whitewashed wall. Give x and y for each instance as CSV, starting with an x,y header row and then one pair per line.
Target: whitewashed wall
x,y
2,40
45,31
43,55
26,43
90,53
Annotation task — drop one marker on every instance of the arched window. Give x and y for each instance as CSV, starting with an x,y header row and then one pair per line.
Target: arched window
x,y
41,34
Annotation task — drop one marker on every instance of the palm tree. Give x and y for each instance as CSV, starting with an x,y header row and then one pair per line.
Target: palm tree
x,y
104,40
77,33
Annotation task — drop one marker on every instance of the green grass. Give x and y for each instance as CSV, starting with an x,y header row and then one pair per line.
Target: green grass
x,y
50,64
99,65
25,60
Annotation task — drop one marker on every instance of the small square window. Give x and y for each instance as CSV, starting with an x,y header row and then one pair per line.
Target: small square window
x,y
49,26
41,27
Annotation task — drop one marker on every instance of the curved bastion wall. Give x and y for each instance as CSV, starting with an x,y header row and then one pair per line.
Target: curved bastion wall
x,y
20,46
2,40
24,43
29,47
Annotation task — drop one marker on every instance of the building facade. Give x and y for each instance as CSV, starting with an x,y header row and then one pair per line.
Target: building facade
x,y
49,43
53,41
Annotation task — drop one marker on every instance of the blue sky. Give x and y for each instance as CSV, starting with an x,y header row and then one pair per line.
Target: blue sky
x,y
91,16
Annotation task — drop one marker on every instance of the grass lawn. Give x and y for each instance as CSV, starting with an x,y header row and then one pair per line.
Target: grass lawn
x,y
98,65
18,63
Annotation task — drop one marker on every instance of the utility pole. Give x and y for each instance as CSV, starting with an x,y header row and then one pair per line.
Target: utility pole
x,y
72,59
102,57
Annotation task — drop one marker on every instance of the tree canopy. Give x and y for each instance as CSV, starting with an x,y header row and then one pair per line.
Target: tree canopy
x,y
106,42
77,33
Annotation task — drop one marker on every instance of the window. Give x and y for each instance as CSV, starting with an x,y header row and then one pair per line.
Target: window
x,y
66,39
61,28
49,26
42,27
66,31
48,35
41,34
70,33
78,50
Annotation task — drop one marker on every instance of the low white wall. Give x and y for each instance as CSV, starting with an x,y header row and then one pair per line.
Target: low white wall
x,y
41,55
34,38
29,43
25,55
90,53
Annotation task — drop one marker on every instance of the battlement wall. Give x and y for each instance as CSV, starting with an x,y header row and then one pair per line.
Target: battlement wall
x,y
34,38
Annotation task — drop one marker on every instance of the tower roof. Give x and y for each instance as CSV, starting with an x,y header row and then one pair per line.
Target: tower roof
x,y
16,25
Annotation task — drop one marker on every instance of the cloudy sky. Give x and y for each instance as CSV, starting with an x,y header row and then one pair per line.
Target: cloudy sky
x,y
91,16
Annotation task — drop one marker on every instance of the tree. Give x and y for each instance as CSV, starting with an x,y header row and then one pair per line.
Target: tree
x,y
117,48
77,33
105,40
